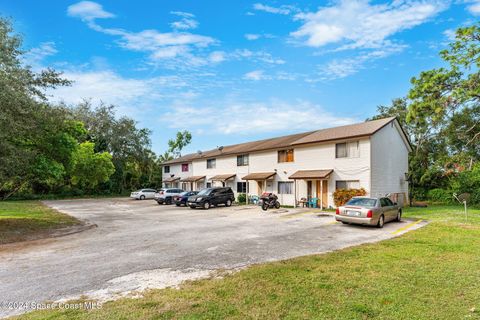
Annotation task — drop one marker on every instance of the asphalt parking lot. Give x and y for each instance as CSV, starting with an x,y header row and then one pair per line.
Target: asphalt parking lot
x,y
139,244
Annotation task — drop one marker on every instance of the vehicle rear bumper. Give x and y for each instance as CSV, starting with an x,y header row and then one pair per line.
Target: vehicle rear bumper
x,y
356,220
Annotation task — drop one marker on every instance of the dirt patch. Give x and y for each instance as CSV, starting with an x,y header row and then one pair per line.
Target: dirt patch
x,y
24,240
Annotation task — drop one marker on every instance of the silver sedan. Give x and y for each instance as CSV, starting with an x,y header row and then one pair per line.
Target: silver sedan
x,y
369,211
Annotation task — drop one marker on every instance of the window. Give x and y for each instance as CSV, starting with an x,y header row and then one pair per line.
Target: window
x,y
285,155
209,184
242,160
241,187
166,169
211,163
347,184
185,167
347,149
285,187
386,202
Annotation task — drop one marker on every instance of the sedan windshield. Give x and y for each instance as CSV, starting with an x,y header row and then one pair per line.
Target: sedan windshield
x,y
364,202
205,192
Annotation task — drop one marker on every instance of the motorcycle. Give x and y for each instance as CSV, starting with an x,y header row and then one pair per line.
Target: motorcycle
x,y
269,200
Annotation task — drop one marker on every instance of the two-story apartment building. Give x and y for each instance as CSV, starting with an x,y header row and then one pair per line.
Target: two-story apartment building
x,y
372,155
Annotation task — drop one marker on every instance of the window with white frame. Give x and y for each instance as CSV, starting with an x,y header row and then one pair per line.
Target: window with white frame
x,y
285,187
241,187
242,160
185,167
166,169
211,163
347,149
347,184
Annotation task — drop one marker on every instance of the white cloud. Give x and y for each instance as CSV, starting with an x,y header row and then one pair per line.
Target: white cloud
x,y
88,11
187,21
105,86
359,24
251,36
179,46
342,68
256,36
284,9
256,56
243,117
449,34
474,8
35,56
217,56
255,75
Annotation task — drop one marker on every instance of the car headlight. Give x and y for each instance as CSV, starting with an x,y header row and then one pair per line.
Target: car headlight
x,y
199,199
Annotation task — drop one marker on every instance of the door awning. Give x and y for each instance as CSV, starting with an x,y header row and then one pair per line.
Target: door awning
x,y
222,177
311,174
171,179
259,176
192,179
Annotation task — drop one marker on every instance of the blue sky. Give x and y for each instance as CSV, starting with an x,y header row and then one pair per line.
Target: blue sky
x,y
234,71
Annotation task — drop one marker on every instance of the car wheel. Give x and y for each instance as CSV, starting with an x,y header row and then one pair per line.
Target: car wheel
x,y
168,201
142,197
399,215
206,205
381,221
177,204
192,207
159,203
228,203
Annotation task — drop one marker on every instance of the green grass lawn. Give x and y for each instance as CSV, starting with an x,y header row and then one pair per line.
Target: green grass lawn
x,y
431,273
23,220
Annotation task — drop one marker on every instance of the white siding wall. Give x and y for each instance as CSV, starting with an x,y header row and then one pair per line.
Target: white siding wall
x,y
224,165
323,157
320,156
389,161
176,170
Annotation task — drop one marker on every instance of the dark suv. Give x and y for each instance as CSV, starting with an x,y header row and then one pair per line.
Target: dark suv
x,y
212,197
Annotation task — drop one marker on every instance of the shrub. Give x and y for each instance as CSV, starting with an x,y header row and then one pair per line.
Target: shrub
x,y
242,198
440,196
341,196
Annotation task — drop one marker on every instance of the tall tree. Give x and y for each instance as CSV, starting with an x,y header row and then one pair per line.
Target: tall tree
x,y
22,109
182,139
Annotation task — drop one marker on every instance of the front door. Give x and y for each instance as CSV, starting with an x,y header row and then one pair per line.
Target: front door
x,y
322,192
260,187
325,193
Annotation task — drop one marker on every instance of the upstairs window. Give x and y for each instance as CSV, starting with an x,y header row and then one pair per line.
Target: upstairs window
x,y
347,150
185,167
285,155
211,163
166,169
242,160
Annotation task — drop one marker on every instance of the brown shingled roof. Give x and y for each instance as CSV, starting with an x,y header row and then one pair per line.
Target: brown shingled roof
x,y
192,179
311,174
259,176
223,177
345,132
363,129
